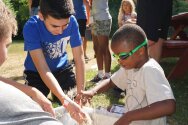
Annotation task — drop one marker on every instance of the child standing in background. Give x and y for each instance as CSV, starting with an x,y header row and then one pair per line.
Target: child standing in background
x,y
127,12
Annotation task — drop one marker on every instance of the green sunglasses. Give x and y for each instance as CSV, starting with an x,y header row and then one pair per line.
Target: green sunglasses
x,y
125,55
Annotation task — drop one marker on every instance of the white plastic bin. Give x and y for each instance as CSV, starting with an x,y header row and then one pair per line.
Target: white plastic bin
x,y
99,116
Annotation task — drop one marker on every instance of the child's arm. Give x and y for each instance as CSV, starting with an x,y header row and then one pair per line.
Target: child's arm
x,y
32,92
100,88
103,86
155,110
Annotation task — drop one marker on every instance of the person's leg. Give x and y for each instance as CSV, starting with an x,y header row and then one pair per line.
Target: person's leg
x,y
103,37
87,37
155,49
85,47
82,30
164,18
95,28
99,57
67,81
104,52
149,19
99,61
101,31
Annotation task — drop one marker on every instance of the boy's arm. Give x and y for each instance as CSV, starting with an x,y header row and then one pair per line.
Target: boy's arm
x,y
46,75
80,67
32,92
155,110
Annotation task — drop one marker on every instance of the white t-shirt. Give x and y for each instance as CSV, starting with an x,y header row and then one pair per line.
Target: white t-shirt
x,y
143,87
128,17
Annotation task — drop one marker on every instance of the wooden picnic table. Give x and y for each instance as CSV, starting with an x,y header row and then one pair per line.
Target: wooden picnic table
x,y
177,46
179,22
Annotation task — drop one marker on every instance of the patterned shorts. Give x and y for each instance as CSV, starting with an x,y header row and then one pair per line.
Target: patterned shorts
x,y
102,27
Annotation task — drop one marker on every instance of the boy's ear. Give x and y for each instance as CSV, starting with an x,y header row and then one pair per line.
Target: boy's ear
x,y
41,16
142,51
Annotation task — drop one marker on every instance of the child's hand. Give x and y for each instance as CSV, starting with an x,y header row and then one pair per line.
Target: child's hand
x,y
129,21
86,96
46,105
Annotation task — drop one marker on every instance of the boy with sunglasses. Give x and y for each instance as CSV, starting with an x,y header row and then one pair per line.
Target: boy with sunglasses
x,y
149,97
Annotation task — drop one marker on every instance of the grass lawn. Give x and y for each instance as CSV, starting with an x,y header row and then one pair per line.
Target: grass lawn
x,y
13,69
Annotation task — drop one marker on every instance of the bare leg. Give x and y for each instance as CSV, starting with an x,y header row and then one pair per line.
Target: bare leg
x,y
84,46
97,49
104,52
155,49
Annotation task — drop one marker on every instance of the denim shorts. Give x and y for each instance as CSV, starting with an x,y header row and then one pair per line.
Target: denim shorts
x,y
102,27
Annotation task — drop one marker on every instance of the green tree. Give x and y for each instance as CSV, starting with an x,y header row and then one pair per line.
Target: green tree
x,y
114,10
179,6
21,10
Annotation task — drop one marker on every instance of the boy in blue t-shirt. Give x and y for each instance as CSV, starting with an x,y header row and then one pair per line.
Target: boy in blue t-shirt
x,y
46,37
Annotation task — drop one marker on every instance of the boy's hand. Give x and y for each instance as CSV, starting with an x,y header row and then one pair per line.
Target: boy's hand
x,y
77,113
46,105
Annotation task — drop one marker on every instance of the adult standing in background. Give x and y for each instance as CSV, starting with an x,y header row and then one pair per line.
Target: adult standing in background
x,y
33,7
154,17
101,28
81,17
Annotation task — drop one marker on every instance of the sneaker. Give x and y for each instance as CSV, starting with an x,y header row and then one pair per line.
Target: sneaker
x,y
96,79
86,58
106,77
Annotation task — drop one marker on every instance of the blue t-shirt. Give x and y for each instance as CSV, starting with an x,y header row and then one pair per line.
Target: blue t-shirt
x,y
80,9
36,36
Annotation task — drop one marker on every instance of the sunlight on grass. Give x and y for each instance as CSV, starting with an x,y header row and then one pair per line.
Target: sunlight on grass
x,y
17,47
13,66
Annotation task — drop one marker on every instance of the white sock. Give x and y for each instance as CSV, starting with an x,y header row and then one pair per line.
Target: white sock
x,y
100,73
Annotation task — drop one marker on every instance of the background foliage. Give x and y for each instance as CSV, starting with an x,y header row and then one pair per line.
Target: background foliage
x,y
20,8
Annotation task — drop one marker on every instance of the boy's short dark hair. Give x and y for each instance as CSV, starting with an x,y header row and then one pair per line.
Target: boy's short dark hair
x,y
131,33
59,9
